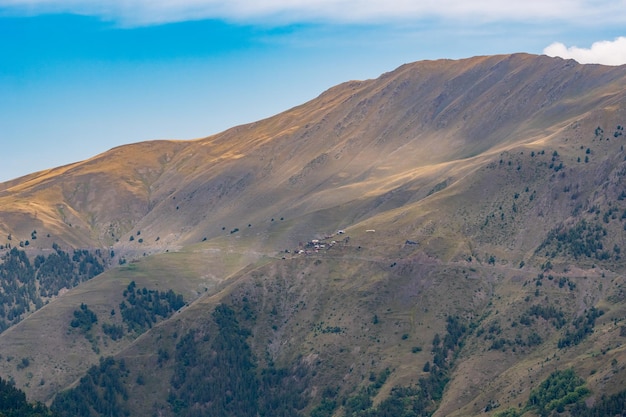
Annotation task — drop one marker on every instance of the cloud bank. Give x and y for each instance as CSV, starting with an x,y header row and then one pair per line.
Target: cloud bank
x,y
146,12
602,52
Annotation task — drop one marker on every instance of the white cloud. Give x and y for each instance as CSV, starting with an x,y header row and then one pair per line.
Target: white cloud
x,y
602,52
137,12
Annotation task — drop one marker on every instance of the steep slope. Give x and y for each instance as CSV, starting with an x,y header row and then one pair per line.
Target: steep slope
x,y
481,208
357,139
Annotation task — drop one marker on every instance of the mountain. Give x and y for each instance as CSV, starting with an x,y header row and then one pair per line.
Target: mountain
x,y
443,239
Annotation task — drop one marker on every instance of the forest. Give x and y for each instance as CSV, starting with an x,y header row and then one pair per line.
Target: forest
x,y
142,308
216,373
26,286
13,403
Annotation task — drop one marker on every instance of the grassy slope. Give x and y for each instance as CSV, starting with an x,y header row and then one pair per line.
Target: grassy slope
x,y
59,355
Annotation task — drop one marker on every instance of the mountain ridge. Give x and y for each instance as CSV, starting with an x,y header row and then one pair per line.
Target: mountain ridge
x,y
468,199
228,145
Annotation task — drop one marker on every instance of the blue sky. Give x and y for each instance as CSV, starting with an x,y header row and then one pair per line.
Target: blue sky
x,y
78,77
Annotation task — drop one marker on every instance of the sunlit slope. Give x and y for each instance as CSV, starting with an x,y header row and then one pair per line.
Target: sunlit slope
x,y
361,139
505,200
89,203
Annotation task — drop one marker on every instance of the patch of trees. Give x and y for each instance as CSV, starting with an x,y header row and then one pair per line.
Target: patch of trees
x,y
581,327
561,281
564,280
327,329
84,318
142,308
360,403
58,270
582,240
24,284
101,392
614,405
219,375
18,293
553,163
13,403
114,331
574,333
327,407
561,388
281,391
501,343
421,399
549,313
510,412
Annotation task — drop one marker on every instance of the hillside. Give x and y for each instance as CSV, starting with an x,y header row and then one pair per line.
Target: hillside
x,y
442,239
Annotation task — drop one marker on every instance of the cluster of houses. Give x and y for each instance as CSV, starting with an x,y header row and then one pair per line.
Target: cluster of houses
x,y
318,244
315,245
325,243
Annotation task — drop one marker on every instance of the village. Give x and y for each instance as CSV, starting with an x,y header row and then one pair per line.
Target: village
x,y
318,244
322,244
